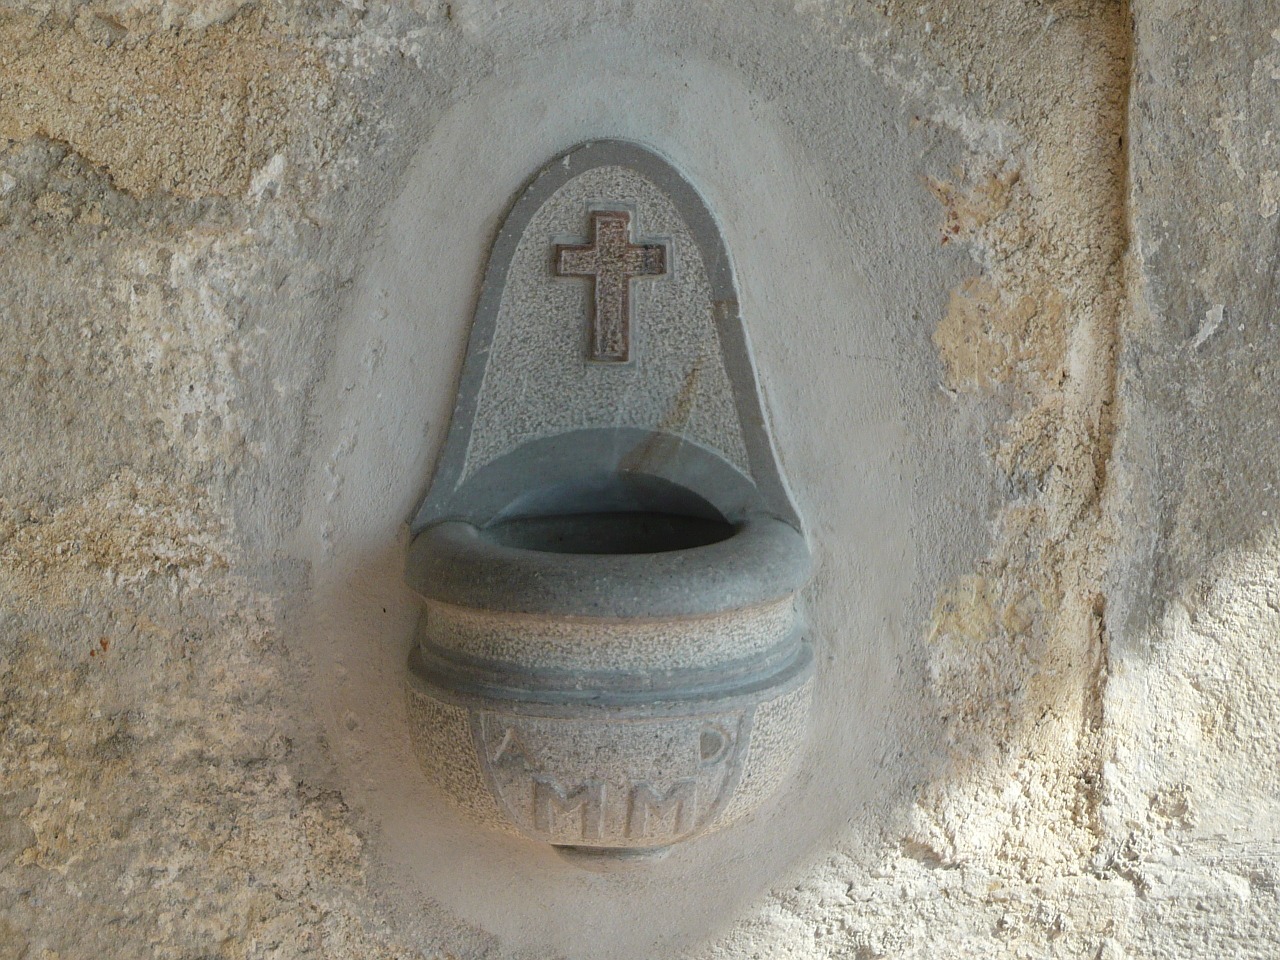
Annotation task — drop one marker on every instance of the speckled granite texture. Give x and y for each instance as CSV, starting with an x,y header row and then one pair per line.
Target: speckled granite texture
x,y
1007,273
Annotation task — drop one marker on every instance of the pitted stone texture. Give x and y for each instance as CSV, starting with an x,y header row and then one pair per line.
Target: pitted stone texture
x,y
608,555
610,261
654,779
676,379
174,755
591,644
442,741
778,730
657,779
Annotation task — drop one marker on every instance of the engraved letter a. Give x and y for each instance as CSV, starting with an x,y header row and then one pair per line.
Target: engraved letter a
x,y
551,800
682,798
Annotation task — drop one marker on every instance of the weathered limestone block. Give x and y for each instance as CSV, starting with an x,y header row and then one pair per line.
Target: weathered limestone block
x,y
1006,271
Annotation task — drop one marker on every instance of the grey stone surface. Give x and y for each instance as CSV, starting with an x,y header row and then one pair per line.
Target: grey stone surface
x,y
622,423
686,398
762,560
983,249
540,385
634,645
816,322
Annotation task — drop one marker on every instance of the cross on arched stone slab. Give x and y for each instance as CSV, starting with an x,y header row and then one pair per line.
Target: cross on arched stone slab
x,y
611,261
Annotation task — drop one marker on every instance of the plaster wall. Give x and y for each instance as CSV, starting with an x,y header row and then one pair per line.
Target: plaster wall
x,y
1005,272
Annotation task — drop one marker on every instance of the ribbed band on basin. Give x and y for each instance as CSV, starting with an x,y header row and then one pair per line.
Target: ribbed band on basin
x,y
558,693
455,563
521,641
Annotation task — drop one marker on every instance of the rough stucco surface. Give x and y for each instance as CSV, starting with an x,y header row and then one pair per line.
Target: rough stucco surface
x,y
1067,263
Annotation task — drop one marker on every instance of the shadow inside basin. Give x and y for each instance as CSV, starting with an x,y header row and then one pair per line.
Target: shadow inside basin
x,y
609,533
609,514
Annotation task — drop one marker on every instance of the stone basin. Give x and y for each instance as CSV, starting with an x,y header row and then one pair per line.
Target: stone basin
x,y
611,682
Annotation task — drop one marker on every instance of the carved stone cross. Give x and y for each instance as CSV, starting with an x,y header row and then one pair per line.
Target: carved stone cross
x,y
611,261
